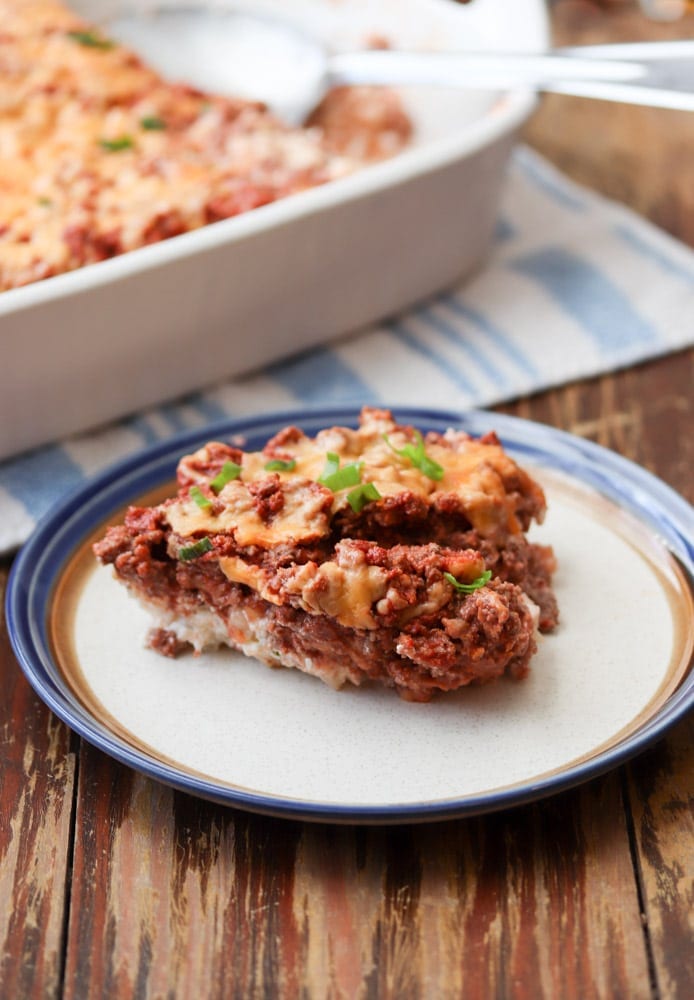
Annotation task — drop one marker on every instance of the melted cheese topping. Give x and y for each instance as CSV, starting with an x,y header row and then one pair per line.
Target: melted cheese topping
x,y
303,516
239,571
473,472
475,476
478,478
345,593
354,594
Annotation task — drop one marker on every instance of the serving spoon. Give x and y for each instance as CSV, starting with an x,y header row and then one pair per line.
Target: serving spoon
x,y
256,55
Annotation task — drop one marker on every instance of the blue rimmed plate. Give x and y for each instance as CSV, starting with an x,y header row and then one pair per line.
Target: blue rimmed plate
x,y
612,678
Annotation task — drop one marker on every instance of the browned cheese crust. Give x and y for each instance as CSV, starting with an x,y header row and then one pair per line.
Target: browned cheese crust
x,y
427,583
99,155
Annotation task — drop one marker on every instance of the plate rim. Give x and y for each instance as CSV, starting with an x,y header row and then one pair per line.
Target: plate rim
x,y
51,545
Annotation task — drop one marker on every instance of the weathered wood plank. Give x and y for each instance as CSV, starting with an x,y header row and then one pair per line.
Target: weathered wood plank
x,y
177,897
36,789
173,896
536,902
661,788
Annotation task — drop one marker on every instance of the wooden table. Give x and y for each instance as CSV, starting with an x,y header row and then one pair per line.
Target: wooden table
x,y
114,886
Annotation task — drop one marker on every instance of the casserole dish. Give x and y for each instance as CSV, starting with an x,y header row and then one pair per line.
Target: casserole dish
x,y
85,347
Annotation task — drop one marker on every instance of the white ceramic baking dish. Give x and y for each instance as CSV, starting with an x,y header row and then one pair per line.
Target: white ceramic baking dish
x,y
83,348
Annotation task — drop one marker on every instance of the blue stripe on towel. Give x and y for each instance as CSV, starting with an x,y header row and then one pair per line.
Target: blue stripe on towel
x,y
140,425
501,340
454,335
207,408
39,478
602,310
178,419
646,249
442,363
504,231
173,415
320,376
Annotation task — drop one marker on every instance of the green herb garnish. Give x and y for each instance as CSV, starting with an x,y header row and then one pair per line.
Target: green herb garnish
x,y
90,40
469,588
153,124
280,465
361,495
199,497
336,478
417,455
332,464
229,471
45,202
117,145
190,552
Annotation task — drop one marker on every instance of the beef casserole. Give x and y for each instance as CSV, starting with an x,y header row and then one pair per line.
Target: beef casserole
x,y
372,554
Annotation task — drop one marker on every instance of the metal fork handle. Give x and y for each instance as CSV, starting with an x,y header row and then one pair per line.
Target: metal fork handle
x,y
655,73
666,80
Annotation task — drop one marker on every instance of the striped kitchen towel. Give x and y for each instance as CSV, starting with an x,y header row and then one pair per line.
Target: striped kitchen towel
x,y
576,285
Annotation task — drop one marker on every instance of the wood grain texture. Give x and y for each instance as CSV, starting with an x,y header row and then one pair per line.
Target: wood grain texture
x,y
175,897
661,786
36,787
519,904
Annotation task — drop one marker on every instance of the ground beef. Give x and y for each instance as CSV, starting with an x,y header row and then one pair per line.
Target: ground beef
x,y
475,639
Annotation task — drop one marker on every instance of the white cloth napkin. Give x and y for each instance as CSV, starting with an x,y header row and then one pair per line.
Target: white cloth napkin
x,y
576,285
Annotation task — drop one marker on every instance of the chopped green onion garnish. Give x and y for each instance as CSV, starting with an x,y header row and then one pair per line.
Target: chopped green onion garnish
x,y
280,465
153,124
361,495
90,40
46,202
189,552
349,475
331,466
469,588
117,145
199,497
229,471
336,478
430,468
418,456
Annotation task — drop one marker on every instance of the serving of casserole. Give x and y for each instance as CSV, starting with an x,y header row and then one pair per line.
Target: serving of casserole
x,y
357,555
